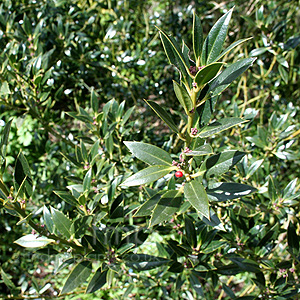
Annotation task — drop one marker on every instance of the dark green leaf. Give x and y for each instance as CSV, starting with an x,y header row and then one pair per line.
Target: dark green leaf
x,y
87,180
190,231
221,163
142,262
149,154
196,195
147,207
4,138
215,39
228,291
293,239
246,264
48,219
163,115
197,37
196,284
67,197
200,151
207,73
77,277
148,175
166,207
97,281
94,101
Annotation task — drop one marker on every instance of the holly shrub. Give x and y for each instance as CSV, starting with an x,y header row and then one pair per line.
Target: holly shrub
x,y
190,193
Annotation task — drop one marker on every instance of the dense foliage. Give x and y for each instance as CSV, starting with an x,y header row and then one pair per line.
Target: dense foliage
x,y
190,194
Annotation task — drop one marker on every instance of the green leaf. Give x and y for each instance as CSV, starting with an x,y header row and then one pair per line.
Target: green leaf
x,y
219,126
143,262
148,175
87,180
207,73
67,197
163,115
196,284
4,89
247,265
33,241
283,74
94,101
223,191
197,37
4,138
215,39
183,97
61,222
233,45
196,195
190,231
149,154
221,163
293,239
48,219
199,151
97,281
167,206
77,277
174,54
22,172
232,72
147,207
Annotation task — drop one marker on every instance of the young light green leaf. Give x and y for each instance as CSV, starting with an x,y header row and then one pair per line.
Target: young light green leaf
x,y
163,115
33,241
61,222
97,281
149,154
219,126
196,195
166,207
197,37
215,39
148,175
77,277
207,73
183,97
221,163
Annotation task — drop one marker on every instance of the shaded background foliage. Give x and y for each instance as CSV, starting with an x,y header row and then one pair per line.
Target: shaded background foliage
x,y
55,54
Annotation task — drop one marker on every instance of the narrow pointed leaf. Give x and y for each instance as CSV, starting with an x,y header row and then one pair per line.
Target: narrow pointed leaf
x,y
97,281
232,46
163,115
215,39
67,197
148,175
87,180
61,222
77,277
219,126
147,207
199,151
174,54
48,219
166,207
197,37
196,285
221,163
4,138
196,195
149,154
183,97
207,73
142,262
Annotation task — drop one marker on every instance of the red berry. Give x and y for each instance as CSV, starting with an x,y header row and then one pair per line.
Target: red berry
x,y
178,174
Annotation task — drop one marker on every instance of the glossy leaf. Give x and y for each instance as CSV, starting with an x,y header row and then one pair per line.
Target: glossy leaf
x,y
197,37
200,151
224,191
167,206
219,126
196,284
48,219
183,97
67,197
147,207
174,54
33,241
97,281
196,195
77,277
87,180
207,73
221,163
94,101
163,115
215,39
149,154
247,265
4,138
143,262
148,175
61,222
293,239
190,231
